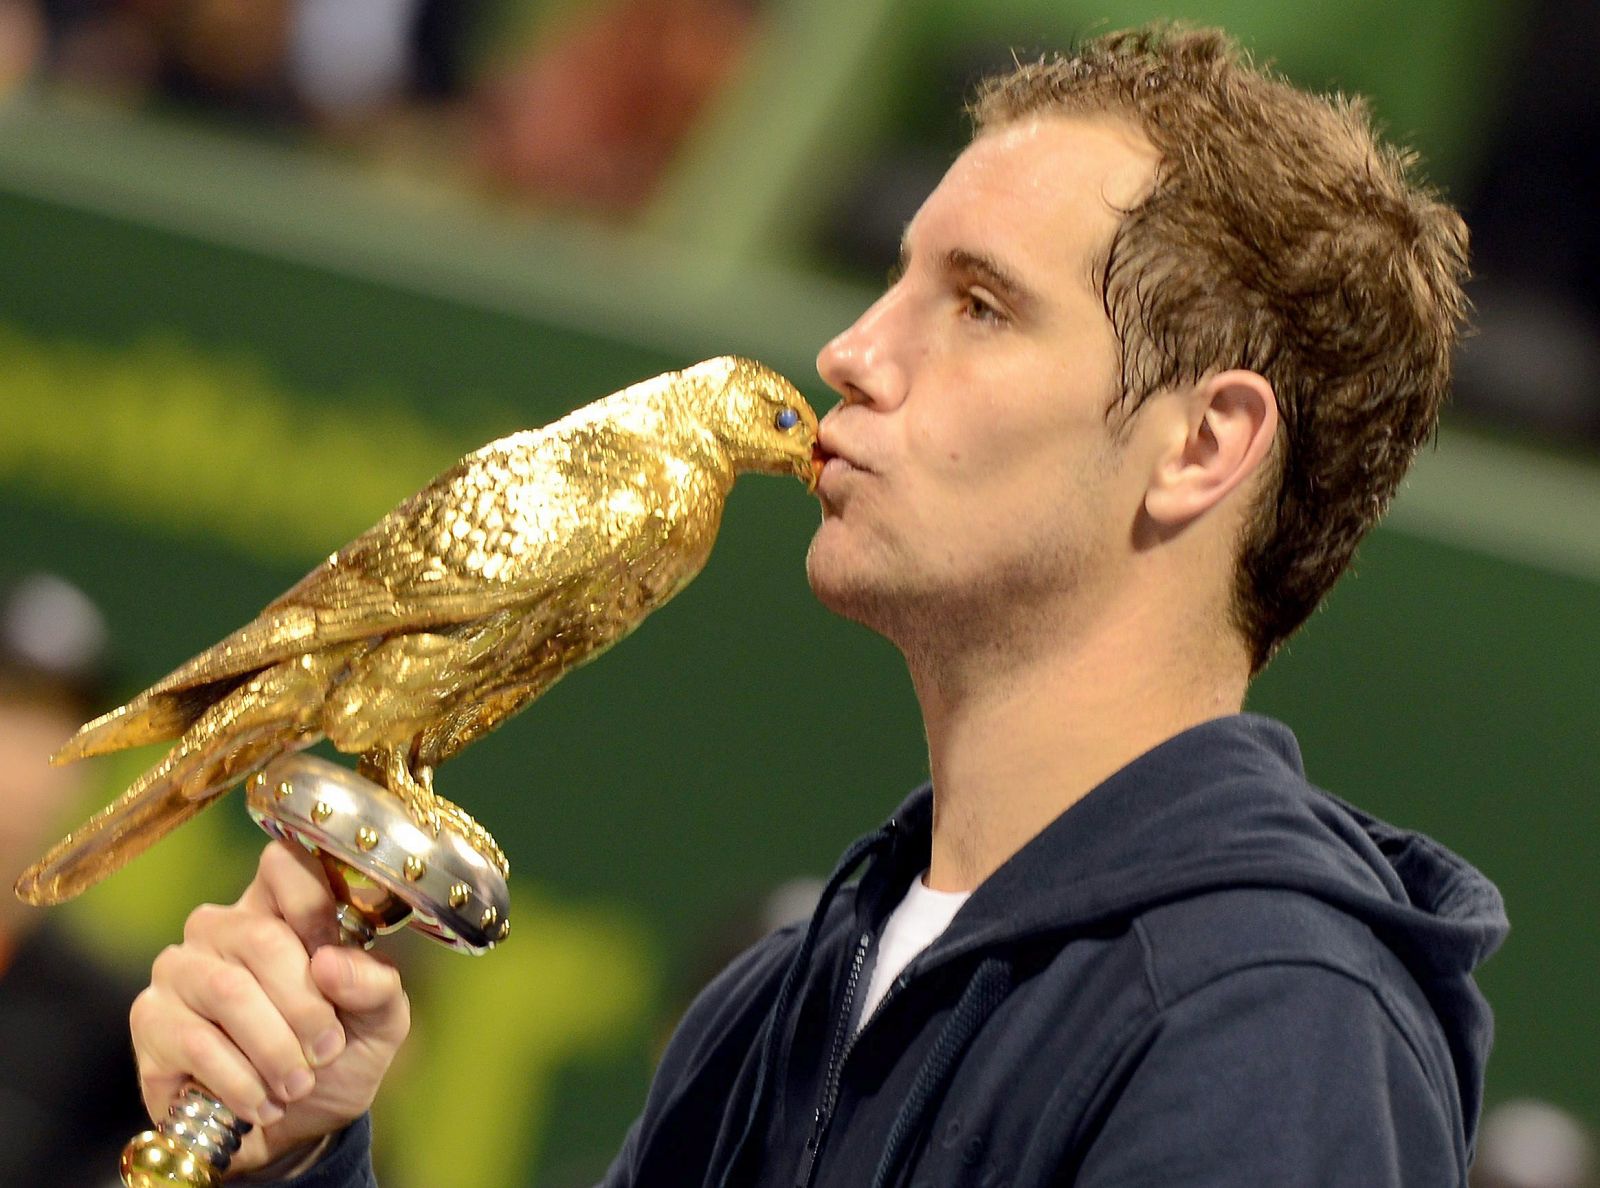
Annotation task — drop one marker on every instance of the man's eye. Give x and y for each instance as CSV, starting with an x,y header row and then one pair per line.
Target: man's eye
x,y
979,308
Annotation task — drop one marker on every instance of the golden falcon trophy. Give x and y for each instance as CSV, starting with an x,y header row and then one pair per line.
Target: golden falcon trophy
x,y
524,560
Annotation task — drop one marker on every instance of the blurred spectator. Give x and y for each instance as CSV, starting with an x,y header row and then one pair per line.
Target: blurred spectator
x,y
1536,247
68,1092
279,61
351,55
228,54
589,114
21,42
594,114
1530,1144
355,64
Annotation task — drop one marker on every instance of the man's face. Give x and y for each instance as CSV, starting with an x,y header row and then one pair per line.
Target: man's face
x,y
36,800
976,467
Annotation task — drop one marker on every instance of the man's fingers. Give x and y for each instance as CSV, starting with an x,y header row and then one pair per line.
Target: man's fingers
x,y
290,884
264,951
172,1044
283,971
229,998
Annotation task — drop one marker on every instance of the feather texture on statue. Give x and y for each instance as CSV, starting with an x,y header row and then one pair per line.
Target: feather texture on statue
x,y
524,560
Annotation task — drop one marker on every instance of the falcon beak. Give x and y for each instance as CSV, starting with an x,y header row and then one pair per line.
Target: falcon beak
x,y
811,474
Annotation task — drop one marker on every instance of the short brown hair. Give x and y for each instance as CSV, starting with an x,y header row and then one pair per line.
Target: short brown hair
x,y
1284,238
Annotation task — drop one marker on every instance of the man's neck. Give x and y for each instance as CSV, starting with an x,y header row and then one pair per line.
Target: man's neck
x,y
1016,741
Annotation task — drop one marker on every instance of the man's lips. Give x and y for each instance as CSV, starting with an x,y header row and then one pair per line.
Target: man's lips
x,y
836,465
836,476
827,449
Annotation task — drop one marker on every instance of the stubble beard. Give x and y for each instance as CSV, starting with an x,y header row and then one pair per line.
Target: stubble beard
x,y
866,586
944,626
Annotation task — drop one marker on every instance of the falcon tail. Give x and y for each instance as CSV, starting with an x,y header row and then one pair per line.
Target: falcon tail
x,y
150,809
245,730
149,718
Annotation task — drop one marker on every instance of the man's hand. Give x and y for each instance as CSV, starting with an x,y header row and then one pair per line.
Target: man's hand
x,y
263,1007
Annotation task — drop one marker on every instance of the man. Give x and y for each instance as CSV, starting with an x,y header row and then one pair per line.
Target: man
x,y
66,1078
1164,341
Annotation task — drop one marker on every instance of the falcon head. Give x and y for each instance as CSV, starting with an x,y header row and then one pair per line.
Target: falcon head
x,y
759,417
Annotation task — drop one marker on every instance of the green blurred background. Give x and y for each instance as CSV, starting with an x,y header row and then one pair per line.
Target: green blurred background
x,y
237,327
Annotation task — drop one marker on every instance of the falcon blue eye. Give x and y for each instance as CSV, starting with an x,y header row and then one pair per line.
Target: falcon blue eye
x,y
788,419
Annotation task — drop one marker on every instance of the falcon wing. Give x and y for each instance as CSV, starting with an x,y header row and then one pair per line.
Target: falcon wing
x,y
660,524
507,524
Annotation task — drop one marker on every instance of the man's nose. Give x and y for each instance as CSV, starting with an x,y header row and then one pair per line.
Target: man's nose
x,y
862,363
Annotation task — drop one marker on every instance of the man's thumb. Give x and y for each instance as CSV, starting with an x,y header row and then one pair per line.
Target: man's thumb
x,y
364,989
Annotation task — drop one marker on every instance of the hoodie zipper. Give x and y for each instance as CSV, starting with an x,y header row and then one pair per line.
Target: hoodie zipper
x,y
836,1059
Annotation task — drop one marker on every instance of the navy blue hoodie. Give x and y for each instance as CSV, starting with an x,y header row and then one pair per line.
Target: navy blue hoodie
x,y
1207,972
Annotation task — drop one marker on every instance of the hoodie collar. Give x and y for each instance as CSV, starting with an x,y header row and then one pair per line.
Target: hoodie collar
x,y
1222,804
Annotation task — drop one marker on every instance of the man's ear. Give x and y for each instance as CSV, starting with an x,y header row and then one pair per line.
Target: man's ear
x,y
1232,419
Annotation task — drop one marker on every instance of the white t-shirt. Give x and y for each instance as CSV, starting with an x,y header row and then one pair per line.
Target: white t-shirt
x,y
914,924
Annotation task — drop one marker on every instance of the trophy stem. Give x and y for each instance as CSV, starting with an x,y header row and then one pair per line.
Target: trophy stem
x,y
355,929
192,1148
